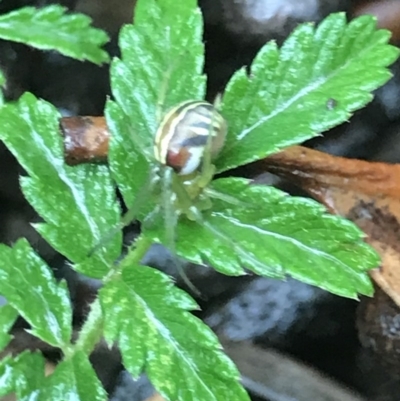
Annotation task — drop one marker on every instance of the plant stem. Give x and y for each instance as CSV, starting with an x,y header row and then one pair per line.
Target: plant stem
x,y
142,245
92,329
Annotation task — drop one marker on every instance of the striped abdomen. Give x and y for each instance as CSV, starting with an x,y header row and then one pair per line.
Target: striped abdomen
x,y
182,136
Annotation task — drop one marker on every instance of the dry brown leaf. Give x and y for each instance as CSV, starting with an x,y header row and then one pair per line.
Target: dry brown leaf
x,y
367,193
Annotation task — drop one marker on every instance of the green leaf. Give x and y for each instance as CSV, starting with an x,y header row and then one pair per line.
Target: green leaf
x,y
287,97
8,315
28,375
161,66
128,165
29,286
2,84
52,28
7,374
22,375
274,235
73,380
148,317
78,203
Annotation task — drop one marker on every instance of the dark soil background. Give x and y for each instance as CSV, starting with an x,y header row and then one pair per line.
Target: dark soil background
x,y
305,322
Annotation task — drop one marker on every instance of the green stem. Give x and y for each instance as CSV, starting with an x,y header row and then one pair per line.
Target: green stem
x,y
142,245
212,193
92,329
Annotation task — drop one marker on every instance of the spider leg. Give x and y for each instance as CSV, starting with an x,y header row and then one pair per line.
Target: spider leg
x,y
273,272
198,218
170,223
212,193
132,213
162,93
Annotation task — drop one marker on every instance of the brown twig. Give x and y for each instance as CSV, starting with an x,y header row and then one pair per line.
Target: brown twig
x,y
85,139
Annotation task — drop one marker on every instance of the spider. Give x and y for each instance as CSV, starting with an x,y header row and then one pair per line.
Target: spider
x,y
188,138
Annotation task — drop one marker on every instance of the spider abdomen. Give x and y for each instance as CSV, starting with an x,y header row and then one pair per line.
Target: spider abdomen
x,y
182,136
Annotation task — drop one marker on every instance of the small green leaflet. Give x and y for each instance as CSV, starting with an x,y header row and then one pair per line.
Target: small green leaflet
x,y
78,203
149,318
29,287
6,376
161,66
73,379
274,235
129,166
284,99
52,28
2,82
8,315
23,375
